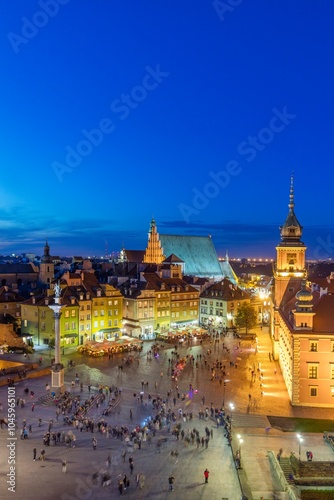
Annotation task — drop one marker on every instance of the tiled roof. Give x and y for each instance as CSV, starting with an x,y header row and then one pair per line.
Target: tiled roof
x,y
323,320
173,259
197,252
135,255
225,290
17,269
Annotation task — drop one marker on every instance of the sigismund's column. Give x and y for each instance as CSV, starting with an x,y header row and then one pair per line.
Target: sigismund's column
x,y
57,369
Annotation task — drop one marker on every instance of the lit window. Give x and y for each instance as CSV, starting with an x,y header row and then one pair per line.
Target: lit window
x,y
312,370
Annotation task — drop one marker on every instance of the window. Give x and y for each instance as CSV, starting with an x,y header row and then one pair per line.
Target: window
x,y
73,325
115,302
110,312
312,370
67,326
73,313
102,312
332,391
88,307
332,371
102,323
43,315
313,345
109,322
82,327
88,316
67,314
115,322
313,391
116,312
96,323
96,313
25,322
43,326
332,347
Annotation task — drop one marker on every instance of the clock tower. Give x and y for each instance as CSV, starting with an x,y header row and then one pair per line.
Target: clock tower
x,y
290,267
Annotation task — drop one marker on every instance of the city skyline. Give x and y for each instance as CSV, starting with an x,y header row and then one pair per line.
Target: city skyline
x,y
194,114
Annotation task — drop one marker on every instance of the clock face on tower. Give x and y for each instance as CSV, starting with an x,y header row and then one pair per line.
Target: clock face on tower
x,y
291,258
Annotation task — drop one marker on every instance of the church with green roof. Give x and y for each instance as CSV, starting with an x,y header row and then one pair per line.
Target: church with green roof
x,y
196,254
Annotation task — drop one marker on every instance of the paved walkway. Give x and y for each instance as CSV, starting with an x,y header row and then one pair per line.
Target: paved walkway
x,y
41,480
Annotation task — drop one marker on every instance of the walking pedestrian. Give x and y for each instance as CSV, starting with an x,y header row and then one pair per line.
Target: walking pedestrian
x,y
94,443
171,481
34,451
142,481
123,455
64,466
33,407
206,475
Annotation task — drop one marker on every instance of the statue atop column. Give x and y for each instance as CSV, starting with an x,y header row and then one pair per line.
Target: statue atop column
x,y
57,290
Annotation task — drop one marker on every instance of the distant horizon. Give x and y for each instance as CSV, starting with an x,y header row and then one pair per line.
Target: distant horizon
x,y
263,245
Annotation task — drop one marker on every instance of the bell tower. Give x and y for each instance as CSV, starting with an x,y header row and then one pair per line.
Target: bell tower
x,y
47,268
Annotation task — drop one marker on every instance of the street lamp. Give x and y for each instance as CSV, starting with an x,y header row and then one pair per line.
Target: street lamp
x,y
300,440
240,443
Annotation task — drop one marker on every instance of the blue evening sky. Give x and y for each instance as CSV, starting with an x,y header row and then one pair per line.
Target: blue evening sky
x,y
194,112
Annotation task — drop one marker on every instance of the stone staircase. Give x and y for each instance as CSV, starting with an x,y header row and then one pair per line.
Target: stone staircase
x,y
287,469
46,400
250,420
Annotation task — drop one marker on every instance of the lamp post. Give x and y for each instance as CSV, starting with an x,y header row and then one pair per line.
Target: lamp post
x,y
240,440
231,408
300,440
224,390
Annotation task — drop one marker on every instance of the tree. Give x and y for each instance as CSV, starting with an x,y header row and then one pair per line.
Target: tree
x,y
246,316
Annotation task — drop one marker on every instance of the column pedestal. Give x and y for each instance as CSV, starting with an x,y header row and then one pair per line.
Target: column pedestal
x,y
57,377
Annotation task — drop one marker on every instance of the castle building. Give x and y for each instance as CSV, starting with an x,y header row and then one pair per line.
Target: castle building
x,y
302,322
